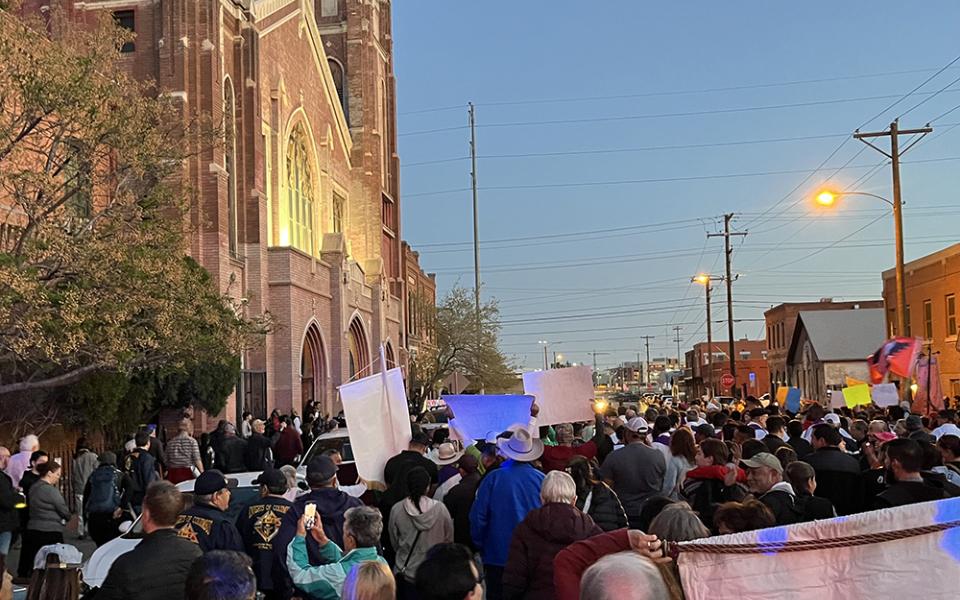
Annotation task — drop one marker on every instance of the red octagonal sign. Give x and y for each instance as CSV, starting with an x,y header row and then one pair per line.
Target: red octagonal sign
x,y
727,380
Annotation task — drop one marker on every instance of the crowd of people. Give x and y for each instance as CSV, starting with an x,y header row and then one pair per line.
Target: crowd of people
x,y
573,510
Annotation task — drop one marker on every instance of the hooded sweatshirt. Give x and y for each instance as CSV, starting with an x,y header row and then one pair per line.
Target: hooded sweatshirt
x,y
536,540
414,529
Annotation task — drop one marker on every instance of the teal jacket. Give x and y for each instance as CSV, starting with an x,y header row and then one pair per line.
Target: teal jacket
x,y
326,581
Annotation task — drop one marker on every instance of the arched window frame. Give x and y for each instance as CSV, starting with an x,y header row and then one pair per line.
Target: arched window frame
x,y
230,166
301,191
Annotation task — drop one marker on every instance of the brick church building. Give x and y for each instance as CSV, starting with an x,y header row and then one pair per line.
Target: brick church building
x,y
299,211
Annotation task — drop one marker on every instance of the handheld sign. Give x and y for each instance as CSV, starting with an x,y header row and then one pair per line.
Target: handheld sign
x,y
376,411
564,395
475,415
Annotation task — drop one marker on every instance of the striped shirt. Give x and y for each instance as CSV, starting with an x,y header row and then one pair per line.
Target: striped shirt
x,y
182,452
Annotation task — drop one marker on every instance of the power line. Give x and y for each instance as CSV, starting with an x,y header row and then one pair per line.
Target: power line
x,y
752,86
671,115
663,179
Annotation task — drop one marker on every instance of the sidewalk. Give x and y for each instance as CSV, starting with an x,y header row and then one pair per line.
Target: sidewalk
x,y
85,546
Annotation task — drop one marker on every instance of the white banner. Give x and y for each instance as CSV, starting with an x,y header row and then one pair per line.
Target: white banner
x,y
475,416
564,395
924,566
885,394
378,420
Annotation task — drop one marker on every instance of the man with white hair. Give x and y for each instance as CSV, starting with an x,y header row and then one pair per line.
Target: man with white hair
x,y
20,462
623,576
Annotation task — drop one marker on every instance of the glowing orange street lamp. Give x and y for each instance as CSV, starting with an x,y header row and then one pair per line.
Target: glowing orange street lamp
x,y
704,280
829,198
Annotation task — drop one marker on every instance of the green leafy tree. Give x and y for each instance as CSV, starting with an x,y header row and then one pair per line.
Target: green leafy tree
x,y
93,277
461,345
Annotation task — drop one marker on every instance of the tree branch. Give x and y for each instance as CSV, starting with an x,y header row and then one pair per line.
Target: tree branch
x,y
52,382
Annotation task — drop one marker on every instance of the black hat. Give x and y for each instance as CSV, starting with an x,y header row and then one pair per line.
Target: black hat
x,y
321,468
706,430
420,437
212,481
272,478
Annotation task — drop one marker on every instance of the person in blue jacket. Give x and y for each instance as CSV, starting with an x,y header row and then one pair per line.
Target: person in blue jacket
x,y
504,498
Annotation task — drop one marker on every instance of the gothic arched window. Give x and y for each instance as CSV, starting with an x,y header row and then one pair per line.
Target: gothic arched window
x,y
300,192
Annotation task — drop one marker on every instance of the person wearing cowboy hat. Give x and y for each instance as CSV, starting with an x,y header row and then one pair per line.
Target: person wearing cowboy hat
x,y
504,498
445,457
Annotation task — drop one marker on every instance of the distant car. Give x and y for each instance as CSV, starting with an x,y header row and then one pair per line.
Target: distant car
x,y
96,568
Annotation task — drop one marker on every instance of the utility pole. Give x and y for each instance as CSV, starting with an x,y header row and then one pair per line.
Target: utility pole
x,y
894,155
728,251
705,280
646,371
676,333
595,354
476,219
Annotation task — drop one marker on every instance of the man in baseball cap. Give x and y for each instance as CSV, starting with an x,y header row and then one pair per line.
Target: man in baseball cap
x,y
765,480
260,523
636,470
206,522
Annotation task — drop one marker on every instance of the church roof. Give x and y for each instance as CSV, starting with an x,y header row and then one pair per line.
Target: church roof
x,y
838,335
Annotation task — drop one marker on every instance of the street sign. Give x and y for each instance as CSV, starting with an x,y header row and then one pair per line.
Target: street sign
x,y
727,380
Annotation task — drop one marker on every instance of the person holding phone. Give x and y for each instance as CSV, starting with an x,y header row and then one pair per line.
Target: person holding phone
x,y
362,526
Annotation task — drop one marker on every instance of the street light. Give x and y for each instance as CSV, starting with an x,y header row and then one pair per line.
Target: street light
x,y
704,280
829,198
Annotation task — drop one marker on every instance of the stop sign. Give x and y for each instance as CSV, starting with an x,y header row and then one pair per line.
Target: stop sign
x,y
727,380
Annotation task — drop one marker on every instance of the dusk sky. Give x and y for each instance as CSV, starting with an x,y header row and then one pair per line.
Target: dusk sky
x,y
613,135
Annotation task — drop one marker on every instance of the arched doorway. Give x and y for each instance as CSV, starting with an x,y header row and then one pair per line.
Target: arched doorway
x,y
313,372
388,354
358,351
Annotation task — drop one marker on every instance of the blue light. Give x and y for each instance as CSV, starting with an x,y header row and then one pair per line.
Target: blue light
x,y
774,535
949,510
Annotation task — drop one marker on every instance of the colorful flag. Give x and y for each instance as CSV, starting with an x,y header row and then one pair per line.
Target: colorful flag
x,y
852,382
896,356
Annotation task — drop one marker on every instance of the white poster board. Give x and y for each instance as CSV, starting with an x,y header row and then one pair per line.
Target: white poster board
x,y
476,415
376,411
836,399
564,395
885,394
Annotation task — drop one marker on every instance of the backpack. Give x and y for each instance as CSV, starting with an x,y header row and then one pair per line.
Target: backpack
x,y
104,495
142,471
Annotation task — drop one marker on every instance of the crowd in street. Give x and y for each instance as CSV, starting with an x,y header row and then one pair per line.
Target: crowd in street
x,y
574,510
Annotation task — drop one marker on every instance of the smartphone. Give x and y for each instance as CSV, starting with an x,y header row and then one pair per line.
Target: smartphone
x,y
310,512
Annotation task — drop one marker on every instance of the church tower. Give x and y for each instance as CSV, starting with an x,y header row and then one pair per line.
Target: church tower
x,y
358,43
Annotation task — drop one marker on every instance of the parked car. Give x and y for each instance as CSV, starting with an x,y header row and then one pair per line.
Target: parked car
x,y
338,439
96,568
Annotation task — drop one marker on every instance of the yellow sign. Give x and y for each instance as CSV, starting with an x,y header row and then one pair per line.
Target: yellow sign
x,y
856,395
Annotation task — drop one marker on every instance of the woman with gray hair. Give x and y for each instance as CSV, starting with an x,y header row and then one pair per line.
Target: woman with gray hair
x,y
362,527
544,532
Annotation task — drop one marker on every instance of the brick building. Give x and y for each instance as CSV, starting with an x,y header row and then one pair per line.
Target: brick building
x,y
752,370
932,288
781,322
298,212
421,296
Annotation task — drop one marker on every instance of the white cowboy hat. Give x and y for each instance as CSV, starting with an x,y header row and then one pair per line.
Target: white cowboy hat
x,y
521,447
447,454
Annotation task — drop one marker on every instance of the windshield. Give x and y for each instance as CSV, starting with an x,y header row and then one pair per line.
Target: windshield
x,y
239,498
342,444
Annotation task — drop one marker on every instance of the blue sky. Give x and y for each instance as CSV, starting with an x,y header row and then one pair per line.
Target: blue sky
x,y
622,84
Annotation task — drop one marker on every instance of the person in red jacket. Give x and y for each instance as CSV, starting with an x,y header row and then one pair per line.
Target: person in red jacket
x,y
544,532
573,561
289,446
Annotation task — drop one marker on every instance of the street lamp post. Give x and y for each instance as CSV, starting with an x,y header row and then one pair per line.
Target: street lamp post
x,y
705,280
829,198
546,365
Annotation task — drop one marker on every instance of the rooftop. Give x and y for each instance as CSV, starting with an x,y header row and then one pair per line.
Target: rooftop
x,y
842,334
